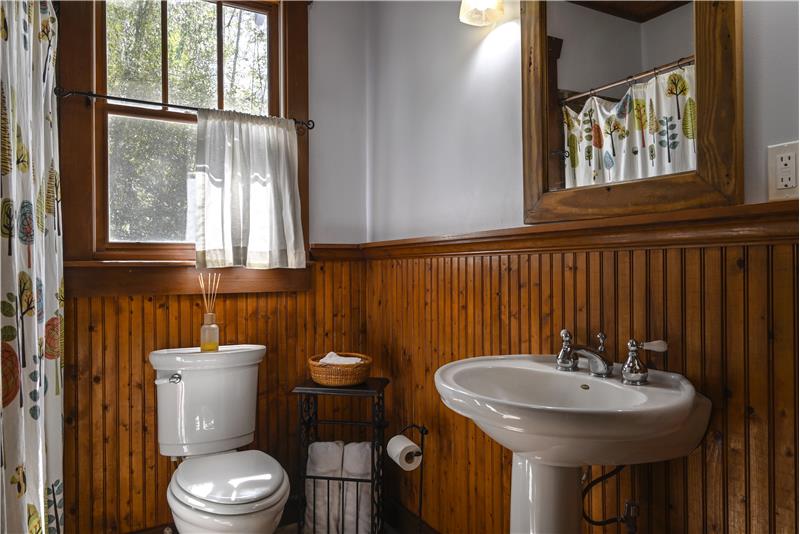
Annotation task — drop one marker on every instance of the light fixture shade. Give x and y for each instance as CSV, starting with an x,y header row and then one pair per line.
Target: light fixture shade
x,y
480,12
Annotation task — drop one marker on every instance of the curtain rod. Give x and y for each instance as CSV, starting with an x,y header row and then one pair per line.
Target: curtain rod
x,y
63,93
688,60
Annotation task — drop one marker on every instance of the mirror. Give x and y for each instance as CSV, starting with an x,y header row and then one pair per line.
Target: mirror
x,y
625,84
630,107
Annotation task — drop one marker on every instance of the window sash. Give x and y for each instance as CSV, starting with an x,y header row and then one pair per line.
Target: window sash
x,y
104,247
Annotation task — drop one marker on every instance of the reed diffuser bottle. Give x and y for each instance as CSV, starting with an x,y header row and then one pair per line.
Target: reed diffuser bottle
x,y
209,332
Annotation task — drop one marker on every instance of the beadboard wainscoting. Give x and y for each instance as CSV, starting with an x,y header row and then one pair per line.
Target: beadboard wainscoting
x,y
722,290
719,284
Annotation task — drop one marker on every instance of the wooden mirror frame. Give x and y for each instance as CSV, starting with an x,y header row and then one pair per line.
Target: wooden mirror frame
x,y
718,179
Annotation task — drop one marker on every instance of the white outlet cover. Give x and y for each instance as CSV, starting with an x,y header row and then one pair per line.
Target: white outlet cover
x,y
782,171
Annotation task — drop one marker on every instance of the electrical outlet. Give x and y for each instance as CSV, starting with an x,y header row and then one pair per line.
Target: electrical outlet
x,y
782,171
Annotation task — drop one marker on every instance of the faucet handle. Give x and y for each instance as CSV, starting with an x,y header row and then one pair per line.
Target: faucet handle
x,y
566,336
566,360
601,342
634,372
654,346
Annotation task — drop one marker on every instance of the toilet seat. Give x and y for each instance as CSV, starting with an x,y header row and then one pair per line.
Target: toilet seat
x,y
232,483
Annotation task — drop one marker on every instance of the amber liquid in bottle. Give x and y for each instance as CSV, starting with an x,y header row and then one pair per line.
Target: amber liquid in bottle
x,y
209,333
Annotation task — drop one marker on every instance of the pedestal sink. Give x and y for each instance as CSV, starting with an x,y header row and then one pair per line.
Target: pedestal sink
x,y
554,422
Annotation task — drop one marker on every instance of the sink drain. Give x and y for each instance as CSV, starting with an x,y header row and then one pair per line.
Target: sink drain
x,y
584,386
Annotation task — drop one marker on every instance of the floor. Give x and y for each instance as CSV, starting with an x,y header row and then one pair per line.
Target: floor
x,y
292,529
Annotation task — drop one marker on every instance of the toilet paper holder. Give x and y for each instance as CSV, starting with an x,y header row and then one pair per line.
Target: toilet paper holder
x,y
423,431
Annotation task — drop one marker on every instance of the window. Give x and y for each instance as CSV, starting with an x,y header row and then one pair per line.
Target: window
x,y
175,53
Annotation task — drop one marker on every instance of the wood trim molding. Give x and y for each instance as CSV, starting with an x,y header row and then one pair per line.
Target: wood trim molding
x,y
335,251
718,180
295,91
742,224
108,278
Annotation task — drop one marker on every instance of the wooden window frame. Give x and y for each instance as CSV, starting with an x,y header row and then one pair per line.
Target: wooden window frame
x,y
718,179
88,255
105,249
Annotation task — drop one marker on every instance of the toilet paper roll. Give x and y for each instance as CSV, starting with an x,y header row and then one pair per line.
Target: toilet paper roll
x,y
404,452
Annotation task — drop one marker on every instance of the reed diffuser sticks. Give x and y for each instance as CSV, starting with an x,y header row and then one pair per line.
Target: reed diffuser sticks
x,y
209,332
210,294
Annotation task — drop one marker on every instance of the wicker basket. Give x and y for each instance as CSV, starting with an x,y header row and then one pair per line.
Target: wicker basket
x,y
326,374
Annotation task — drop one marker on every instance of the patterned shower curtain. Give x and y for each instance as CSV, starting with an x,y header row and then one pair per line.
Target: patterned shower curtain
x,y
651,131
31,284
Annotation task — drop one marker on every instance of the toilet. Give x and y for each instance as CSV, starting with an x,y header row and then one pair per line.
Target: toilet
x,y
206,404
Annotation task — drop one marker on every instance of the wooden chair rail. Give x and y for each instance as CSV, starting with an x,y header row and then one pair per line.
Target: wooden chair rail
x,y
748,223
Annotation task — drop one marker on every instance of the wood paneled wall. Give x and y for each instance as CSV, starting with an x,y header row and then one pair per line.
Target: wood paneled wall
x,y
722,289
115,478
729,314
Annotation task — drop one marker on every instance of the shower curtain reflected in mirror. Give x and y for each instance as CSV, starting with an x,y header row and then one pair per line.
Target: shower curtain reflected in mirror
x,y
651,131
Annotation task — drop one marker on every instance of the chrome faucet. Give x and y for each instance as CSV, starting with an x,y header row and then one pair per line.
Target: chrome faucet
x,y
567,359
634,371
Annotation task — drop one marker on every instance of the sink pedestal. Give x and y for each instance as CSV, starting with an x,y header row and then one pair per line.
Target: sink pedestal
x,y
544,499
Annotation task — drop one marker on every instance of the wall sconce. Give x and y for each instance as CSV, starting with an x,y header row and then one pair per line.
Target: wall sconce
x,y
480,12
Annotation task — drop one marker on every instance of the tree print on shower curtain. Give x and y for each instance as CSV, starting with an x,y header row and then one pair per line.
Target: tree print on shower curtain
x,y
53,197
689,123
640,116
613,126
676,86
652,128
25,229
5,139
588,130
572,145
31,290
667,137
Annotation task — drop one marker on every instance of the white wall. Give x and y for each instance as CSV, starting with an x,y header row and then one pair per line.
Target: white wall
x,y
597,48
668,37
445,143
337,145
770,87
437,106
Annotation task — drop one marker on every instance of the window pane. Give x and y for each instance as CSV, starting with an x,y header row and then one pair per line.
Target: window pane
x,y
246,60
133,48
192,48
149,180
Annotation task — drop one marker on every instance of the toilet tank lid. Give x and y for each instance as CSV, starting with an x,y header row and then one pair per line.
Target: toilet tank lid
x,y
230,478
191,358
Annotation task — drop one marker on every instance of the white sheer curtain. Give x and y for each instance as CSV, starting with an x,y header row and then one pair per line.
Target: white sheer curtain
x,y
650,132
248,201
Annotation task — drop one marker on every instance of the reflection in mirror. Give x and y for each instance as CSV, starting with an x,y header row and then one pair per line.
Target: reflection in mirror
x,y
625,101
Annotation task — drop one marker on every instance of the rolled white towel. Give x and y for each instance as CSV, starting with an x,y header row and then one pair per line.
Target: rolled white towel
x,y
357,463
334,358
324,459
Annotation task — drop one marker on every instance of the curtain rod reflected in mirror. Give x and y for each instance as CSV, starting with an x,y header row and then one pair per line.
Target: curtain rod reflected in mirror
x,y
688,60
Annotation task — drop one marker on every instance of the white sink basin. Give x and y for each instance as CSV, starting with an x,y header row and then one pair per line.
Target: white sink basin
x,y
527,405
556,421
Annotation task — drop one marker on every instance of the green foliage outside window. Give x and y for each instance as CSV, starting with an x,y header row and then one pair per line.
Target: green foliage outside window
x,y
149,160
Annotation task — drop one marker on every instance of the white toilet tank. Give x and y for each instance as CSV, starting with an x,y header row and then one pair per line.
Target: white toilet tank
x,y
206,401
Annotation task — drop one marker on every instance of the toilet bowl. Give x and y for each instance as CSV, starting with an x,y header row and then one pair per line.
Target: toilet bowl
x,y
236,492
